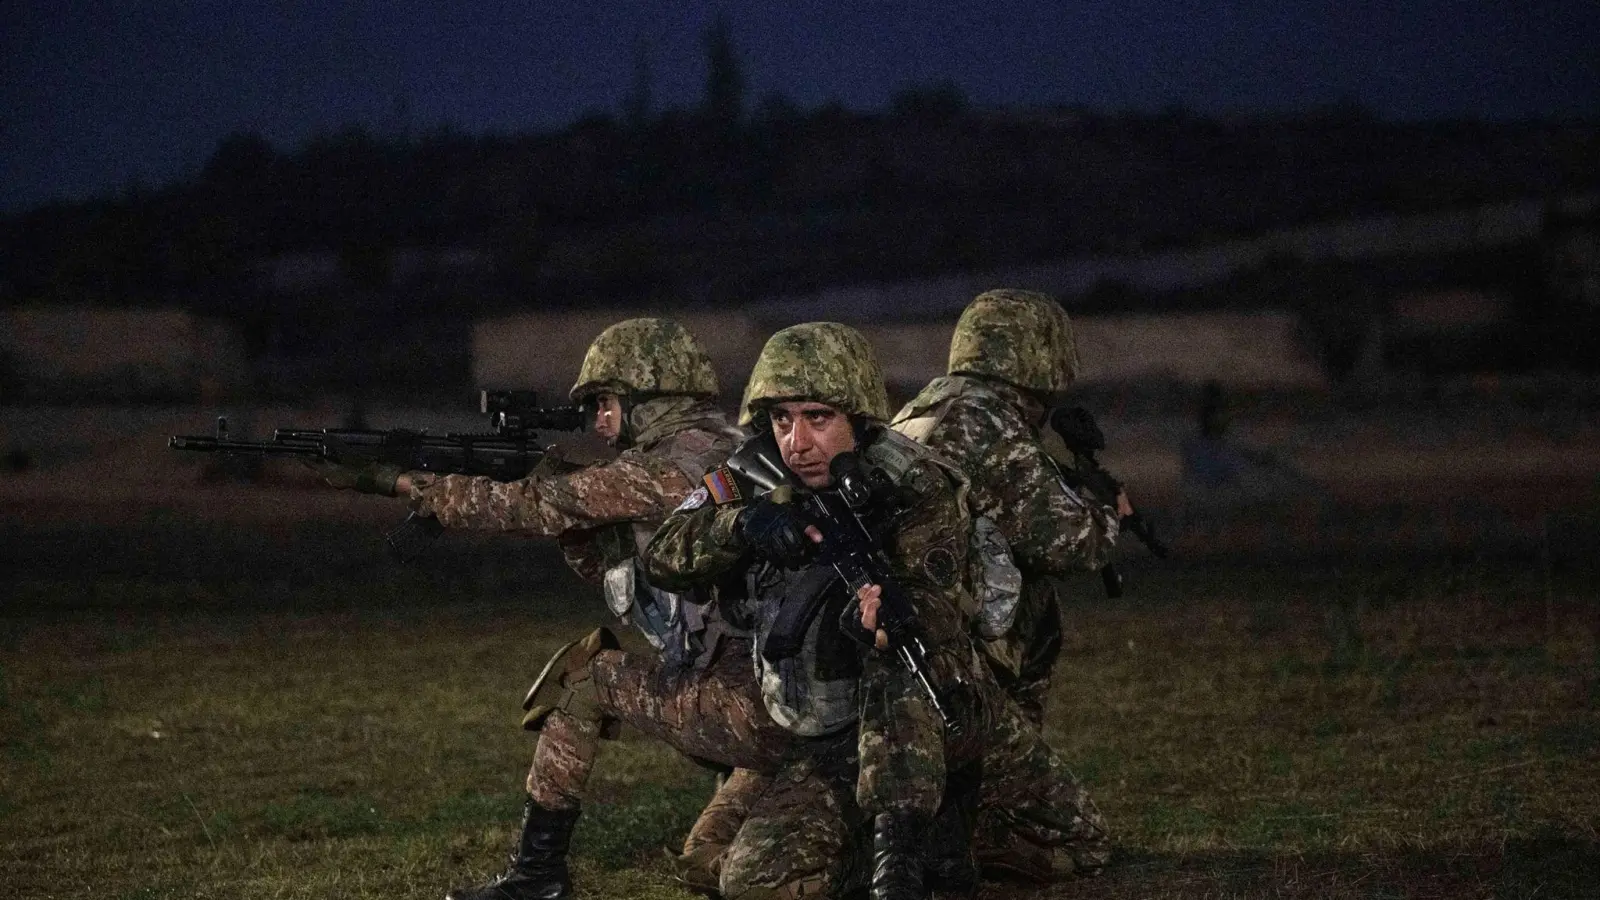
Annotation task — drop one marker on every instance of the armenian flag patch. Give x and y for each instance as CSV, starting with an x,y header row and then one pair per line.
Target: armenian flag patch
x,y
722,487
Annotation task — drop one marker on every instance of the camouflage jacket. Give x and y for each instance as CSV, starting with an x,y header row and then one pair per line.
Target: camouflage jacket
x,y
601,515
977,423
927,550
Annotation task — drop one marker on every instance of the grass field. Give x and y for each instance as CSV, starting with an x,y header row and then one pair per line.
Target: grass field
x,y
192,710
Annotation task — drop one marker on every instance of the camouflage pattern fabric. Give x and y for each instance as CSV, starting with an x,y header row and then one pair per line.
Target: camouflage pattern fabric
x,y
1029,791
715,714
643,484
901,744
562,761
645,356
805,838
809,836
1022,337
631,488
825,362
1050,528
902,750
705,848
1030,649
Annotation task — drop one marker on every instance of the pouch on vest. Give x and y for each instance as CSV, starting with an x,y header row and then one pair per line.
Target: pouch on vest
x,y
656,613
998,587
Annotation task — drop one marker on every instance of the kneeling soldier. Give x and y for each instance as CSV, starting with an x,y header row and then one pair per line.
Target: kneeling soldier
x,y
879,740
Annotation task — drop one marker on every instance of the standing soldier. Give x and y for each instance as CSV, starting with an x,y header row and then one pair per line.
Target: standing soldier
x,y
1012,358
875,747
651,387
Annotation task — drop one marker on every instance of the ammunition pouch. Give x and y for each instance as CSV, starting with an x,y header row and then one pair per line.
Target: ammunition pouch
x,y
998,587
659,615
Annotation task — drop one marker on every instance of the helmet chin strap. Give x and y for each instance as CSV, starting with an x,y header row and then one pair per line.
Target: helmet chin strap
x,y
625,428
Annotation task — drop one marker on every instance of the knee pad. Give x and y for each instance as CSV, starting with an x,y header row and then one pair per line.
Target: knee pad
x,y
565,684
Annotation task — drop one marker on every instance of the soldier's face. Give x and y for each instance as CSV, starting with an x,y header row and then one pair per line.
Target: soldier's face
x,y
809,436
607,415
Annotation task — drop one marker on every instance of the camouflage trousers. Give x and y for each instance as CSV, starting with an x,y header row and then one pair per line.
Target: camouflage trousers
x,y
715,714
810,833
805,837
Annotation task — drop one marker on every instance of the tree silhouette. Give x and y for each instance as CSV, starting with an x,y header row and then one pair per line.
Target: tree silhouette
x,y
725,81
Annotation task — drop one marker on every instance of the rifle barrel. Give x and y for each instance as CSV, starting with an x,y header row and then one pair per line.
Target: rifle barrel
x,y
202,444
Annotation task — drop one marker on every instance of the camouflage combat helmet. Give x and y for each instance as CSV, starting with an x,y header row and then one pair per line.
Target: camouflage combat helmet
x,y
645,356
1022,337
822,361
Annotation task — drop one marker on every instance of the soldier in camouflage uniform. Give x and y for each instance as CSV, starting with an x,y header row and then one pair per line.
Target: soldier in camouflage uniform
x,y
1011,358
652,388
819,391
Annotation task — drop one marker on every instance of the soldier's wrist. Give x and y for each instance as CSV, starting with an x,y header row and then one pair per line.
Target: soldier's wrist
x,y
378,479
725,530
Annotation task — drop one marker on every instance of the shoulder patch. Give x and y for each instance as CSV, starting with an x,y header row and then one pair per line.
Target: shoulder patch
x,y
696,499
939,564
722,487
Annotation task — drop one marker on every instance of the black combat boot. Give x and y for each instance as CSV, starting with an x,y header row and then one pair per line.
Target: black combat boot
x,y
538,867
952,867
897,855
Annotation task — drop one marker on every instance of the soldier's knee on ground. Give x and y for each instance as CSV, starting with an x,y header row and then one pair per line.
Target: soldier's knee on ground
x,y
566,685
720,821
700,865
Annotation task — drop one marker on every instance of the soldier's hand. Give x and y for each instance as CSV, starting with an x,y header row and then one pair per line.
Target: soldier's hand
x,y
1102,485
871,599
367,478
776,533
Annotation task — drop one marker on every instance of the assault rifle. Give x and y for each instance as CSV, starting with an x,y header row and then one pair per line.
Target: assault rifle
x,y
1082,435
507,453
851,516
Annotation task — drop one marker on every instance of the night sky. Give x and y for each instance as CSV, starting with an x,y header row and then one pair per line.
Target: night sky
x,y
99,97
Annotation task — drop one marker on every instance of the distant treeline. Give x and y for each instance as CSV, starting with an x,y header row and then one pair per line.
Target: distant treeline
x,y
718,206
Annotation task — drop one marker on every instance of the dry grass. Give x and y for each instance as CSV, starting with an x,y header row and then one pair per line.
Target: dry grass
x,y
180,716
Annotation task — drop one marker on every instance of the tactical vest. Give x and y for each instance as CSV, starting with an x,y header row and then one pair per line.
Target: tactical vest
x,y
686,628
814,692
996,580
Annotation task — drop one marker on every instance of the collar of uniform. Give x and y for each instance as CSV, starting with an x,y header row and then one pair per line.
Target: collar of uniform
x,y
661,417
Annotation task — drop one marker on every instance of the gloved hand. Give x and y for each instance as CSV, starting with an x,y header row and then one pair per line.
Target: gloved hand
x,y
1078,429
1101,484
775,532
366,478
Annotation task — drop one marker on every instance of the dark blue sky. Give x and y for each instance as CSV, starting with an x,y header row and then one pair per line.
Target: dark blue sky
x,y
97,95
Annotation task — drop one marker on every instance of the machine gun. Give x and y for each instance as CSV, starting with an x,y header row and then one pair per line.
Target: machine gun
x,y
507,453
1082,435
851,515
